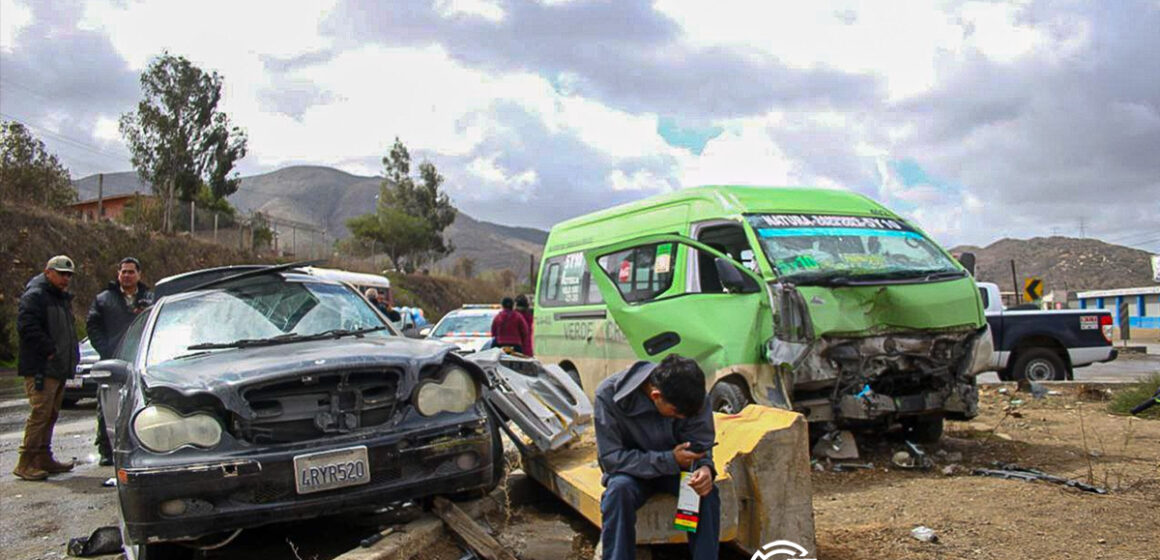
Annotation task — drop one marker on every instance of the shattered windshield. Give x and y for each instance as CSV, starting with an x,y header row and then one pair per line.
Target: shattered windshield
x,y
812,248
274,310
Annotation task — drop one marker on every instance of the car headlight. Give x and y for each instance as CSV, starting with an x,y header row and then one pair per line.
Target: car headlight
x,y
456,392
161,429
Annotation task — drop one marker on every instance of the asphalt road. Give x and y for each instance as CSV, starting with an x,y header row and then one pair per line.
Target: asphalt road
x,y
38,518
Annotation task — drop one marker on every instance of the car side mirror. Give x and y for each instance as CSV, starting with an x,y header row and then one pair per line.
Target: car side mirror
x,y
110,371
732,279
968,261
424,331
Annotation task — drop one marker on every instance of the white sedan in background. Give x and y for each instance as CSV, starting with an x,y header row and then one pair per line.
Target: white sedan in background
x,y
468,327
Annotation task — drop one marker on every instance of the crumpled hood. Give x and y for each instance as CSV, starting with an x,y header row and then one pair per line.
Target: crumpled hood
x,y
868,310
466,343
221,371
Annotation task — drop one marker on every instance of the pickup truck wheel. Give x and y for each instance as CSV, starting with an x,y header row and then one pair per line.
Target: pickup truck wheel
x,y
1039,364
727,398
923,429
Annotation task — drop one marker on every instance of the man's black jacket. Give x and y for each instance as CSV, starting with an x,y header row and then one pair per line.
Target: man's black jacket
x,y
45,325
109,317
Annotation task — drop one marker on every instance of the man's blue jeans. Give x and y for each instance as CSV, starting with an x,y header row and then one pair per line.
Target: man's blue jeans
x,y
624,494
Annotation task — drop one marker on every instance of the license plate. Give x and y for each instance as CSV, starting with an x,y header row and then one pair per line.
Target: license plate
x,y
74,383
327,470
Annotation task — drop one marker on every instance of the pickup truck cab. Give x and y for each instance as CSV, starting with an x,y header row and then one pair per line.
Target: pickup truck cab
x,y
1045,345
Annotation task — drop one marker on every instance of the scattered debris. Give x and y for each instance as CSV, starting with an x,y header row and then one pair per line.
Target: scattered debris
x,y
954,457
1004,436
924,534
1090,393
105,540
110,483
844,467
951,470
472,534
836,445
1003,391
1037,390
913,457
378,536
1054,393
1013,471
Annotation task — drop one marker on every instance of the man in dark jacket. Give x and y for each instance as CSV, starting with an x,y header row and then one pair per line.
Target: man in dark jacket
x,y
653,421
525,311
109,318
509,328
48,356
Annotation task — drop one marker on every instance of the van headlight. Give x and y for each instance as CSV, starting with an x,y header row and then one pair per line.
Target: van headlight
x,y
456,392
161,429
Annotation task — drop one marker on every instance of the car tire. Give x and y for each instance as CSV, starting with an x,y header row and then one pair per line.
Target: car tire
x,y
728,398
498,464
1039,364
923,429
68,403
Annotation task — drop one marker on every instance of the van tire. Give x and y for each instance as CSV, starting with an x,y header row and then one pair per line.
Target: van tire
x,y
727,398
1039,364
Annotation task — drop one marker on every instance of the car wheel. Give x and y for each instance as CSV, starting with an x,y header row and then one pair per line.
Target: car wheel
x,y
923,429
1039,364
68,403
727,398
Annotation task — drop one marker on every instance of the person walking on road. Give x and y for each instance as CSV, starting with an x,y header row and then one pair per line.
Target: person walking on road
x,y
525,311
653,421
48,356
509,328
109,317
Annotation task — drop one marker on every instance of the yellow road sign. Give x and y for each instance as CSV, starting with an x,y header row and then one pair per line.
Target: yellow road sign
x,y
1033,289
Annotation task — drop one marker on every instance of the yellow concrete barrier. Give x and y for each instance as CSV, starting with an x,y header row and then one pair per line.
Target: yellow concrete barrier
x,y
763,467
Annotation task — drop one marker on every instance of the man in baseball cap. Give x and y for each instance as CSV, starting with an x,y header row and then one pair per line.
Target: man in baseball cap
x,y
48,356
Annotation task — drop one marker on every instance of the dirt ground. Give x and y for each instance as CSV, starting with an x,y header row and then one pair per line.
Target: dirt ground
x,y
869,514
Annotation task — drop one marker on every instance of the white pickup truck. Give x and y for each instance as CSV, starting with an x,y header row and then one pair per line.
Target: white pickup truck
x,y
1045,345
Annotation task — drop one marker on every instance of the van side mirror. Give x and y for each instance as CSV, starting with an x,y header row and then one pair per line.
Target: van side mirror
x,y
110,371
968,261
732,279
423,332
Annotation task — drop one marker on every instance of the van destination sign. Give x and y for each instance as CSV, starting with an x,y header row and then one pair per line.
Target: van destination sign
x,y
816,220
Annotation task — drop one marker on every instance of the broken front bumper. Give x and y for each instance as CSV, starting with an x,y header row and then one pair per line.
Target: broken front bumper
x,y
256,488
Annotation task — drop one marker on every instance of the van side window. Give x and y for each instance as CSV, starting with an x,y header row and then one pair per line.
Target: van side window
x,y
567,282
642,273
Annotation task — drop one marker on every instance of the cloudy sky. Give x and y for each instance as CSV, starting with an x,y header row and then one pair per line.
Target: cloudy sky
x,y
979,120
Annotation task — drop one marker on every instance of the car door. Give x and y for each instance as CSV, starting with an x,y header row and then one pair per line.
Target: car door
x,y
641,281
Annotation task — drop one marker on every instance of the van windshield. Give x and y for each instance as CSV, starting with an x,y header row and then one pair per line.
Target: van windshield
x,y
827,249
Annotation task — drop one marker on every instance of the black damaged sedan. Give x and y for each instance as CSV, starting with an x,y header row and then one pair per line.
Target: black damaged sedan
x,y
276,396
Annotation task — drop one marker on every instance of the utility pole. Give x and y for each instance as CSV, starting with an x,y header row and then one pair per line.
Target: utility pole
x,y
1082,232
1015,283
294,240
215,224
192,215
100,196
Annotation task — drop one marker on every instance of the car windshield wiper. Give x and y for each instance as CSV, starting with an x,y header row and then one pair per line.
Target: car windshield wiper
x,y
284,338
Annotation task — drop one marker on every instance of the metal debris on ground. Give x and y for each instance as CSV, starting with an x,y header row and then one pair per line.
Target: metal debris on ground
x,y
913,458
836,444
110,483
924,534
1013,471
844,467
105,540
1037,390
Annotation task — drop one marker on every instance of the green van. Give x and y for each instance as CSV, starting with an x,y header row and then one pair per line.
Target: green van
x,y
820,301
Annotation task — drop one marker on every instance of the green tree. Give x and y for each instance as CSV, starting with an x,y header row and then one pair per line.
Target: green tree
x,y
178,138
28,172
409,219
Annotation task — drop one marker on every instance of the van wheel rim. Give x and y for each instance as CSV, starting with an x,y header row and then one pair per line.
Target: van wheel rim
x,y
1040,370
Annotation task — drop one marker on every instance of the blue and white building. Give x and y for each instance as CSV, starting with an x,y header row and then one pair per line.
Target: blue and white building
x,y
1143,308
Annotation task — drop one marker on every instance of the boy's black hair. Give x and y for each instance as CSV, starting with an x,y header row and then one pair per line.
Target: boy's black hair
x,y
506,303
522,301
125,260
681,383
